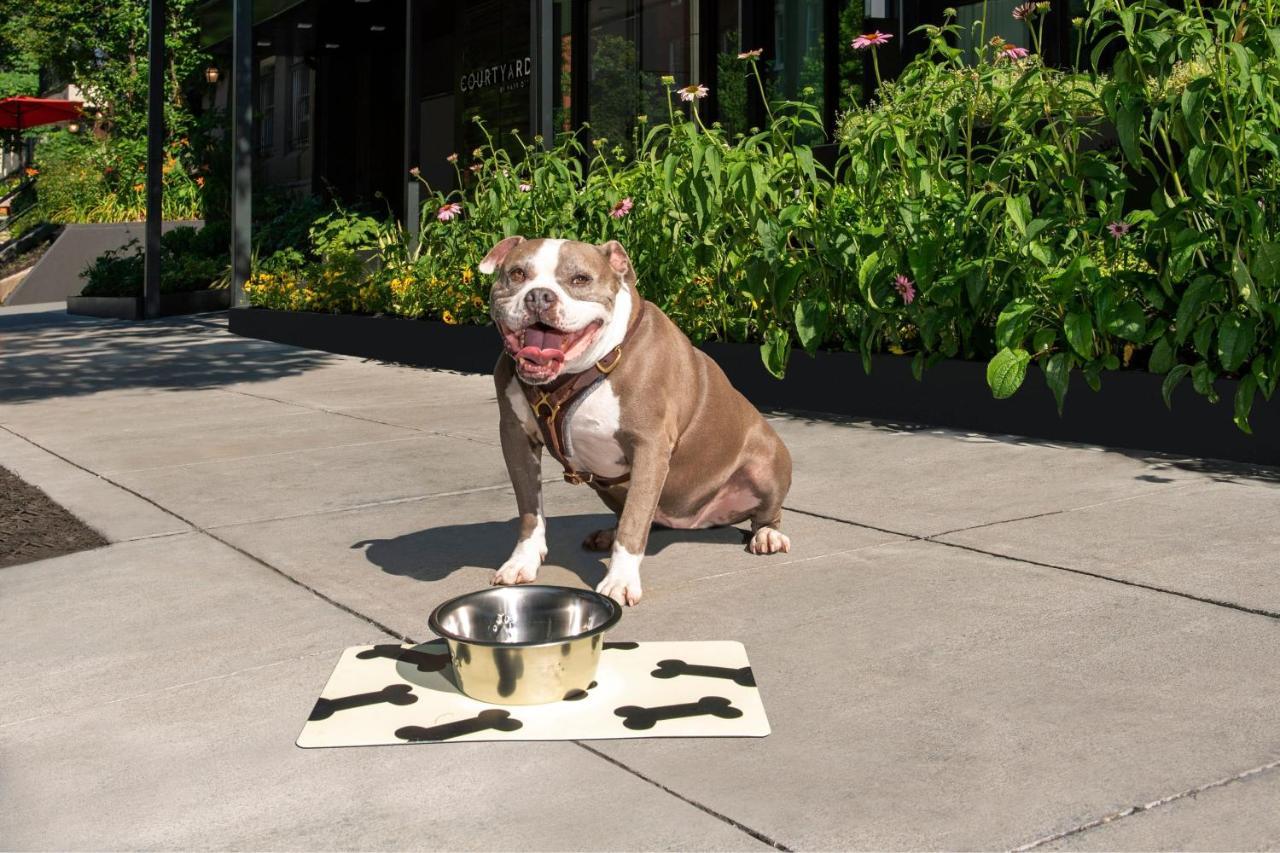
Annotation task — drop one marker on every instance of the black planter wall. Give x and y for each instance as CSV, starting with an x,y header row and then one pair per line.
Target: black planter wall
x,y
1128,412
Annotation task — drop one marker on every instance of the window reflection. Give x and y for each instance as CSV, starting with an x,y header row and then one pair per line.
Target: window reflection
x,y
631,45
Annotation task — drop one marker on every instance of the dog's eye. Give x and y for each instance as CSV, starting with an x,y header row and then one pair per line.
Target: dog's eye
x,y
581,279
516,275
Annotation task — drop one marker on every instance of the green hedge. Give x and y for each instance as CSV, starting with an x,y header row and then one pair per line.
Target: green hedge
x,y
987,209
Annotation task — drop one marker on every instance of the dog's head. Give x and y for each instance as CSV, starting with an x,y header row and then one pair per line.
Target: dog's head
x,y
559,304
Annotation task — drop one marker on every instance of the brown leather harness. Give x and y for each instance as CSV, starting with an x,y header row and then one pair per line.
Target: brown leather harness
x,y
551,404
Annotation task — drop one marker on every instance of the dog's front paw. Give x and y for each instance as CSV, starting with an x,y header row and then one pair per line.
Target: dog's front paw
x,y
521,568
622,583
766,540
623,590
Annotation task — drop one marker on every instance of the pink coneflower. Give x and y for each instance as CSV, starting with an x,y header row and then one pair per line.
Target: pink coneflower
x,y
415,171
751,54
1119,229
622,208
906,288
449,211
871,40
524,188
1012,51
452,158
1024,11
695,91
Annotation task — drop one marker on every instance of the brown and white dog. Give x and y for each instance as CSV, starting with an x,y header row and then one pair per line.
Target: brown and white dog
x,y
633,409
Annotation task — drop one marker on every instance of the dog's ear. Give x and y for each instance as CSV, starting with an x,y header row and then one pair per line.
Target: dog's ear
x,y
498,254
618,259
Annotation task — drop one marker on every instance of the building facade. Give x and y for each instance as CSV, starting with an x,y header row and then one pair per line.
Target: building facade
x,y
351,94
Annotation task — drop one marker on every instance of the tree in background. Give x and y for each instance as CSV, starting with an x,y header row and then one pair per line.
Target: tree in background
x,y
101,47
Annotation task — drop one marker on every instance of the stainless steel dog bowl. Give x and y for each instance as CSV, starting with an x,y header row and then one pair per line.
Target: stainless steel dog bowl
x,y
525,645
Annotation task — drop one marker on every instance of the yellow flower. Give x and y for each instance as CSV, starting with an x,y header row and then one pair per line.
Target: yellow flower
x,y
449,319
467,276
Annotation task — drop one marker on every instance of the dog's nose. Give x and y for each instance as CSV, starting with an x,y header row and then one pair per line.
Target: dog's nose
x,y
539,299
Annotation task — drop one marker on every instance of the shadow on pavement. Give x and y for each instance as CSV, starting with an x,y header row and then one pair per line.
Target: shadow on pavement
x,y
436,553
50,354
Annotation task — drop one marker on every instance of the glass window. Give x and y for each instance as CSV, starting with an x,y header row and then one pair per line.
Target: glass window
x,y
631,45
266,98
998,21
494,72
300,97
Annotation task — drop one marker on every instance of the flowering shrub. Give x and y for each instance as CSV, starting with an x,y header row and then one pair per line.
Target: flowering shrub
x,y
983,207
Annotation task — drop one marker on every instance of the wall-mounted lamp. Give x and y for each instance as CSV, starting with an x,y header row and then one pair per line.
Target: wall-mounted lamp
x,y
211,74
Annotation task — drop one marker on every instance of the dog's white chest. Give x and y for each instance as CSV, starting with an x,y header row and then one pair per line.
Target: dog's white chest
x,y
591,430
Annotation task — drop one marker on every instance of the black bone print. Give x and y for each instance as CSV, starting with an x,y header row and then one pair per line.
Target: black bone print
x,y
639,719
576,695
395,694
494,720
622,646
425,661
743,677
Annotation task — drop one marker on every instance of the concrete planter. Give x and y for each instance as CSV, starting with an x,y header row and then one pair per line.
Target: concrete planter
x,y
130,307
1128,412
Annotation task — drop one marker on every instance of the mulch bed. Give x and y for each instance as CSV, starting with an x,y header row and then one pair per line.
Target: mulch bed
x,y
33,527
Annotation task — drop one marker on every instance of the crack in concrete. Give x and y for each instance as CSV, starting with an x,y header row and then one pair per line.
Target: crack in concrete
x,y
742,827
1146,807
933,540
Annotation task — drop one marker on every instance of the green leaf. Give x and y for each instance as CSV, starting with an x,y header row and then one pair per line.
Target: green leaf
x,y
917,366
1244,283
775,351
1193,301
812,317
1043,340
1011,325
1236,337
1128,128
1243,402
1127,321
865,269
1162,357
1006,371
1176,375
1057,375
1079,331
1019,210
1202,377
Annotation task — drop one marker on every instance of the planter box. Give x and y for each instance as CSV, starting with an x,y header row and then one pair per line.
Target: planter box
x,y
130,307
1127,413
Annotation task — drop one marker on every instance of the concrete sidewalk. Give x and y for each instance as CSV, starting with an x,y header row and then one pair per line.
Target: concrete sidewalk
x,y
976,641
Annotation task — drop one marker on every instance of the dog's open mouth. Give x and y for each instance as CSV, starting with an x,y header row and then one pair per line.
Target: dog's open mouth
x,y
540,350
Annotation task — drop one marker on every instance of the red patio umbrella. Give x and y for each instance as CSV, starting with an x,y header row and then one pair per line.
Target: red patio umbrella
x,y
21,113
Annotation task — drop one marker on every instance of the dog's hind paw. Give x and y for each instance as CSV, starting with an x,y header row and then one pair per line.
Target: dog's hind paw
x,y
600,540
766,540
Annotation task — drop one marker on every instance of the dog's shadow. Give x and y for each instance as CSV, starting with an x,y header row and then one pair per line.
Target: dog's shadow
x,y
437,552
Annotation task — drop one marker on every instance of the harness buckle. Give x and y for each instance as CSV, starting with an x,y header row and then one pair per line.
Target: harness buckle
x,y
575,478
607,370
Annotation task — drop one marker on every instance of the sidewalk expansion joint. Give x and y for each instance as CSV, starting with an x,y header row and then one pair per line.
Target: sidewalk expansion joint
x,y
1146,807
933,540
723,818
341,413
197,528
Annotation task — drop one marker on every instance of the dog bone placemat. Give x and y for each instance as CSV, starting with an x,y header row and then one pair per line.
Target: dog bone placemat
x,y
392,694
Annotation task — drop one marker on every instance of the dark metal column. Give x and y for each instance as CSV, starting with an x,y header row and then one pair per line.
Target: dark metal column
x,y
155,158
541,89
412,204
241,147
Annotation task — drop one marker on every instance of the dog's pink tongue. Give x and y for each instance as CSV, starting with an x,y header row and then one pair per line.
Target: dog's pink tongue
x,y
543,345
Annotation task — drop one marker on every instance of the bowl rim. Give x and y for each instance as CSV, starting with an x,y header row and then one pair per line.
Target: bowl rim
x,y
615,614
